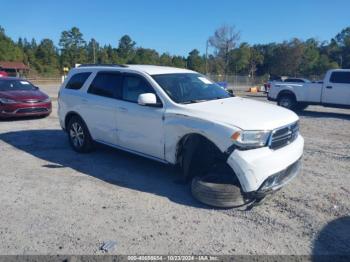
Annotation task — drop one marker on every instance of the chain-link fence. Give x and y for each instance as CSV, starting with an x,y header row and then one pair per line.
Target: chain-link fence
x,y
243,83
238,82
45,80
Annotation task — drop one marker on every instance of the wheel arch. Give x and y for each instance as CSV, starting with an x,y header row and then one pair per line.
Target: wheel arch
x,y
210,156
179,128
189,139
69,116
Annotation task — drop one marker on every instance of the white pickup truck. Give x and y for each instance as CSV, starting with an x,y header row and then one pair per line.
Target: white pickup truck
x,y
334,91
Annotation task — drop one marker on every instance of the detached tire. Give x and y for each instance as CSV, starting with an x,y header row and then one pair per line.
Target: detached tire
x,y
217,193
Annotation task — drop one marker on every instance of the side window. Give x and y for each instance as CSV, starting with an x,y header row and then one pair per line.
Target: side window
x,y
77,80
294,80
340,77
133,86
107,84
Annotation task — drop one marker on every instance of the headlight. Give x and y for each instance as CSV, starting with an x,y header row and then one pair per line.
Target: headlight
x,y
251,139
47,100
7,101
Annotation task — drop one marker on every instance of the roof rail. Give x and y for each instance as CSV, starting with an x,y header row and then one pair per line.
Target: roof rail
x,y
112,65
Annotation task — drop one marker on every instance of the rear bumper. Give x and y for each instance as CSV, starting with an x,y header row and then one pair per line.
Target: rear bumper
x,y
25,109
256,168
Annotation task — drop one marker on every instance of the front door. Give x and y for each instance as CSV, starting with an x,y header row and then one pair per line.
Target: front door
x,y
337,90
139,128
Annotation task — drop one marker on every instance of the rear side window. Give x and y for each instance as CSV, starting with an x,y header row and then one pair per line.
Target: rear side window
x,y
108,84
294,80
340,77
77,80
133,86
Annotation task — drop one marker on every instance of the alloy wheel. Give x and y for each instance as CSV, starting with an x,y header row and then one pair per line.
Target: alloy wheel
x,y
77,135
285,102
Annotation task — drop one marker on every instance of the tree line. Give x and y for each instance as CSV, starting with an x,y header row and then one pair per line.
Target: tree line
x,y
227,56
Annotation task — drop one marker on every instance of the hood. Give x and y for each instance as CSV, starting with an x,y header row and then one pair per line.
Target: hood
x,y
244,113
24,95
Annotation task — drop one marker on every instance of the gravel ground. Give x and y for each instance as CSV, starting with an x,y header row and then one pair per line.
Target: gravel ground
x,y
55,201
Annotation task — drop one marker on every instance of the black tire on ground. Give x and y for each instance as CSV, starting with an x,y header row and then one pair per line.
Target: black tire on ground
x,y
44,116
301,107
287,101
79,136
214,191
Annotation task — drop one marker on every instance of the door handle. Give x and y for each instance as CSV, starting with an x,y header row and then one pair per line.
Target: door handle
x,y
329,87
84,101
122,109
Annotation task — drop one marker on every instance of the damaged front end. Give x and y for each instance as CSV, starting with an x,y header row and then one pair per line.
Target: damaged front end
x,y
275,182
237,178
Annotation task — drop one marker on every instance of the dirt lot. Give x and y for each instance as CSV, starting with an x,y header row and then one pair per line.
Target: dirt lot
x,y
55,201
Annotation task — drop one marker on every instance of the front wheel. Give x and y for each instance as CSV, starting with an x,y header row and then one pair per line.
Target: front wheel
x,y
79,136
287,102
218,190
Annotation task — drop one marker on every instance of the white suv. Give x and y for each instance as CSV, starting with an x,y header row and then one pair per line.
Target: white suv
x,y
177,116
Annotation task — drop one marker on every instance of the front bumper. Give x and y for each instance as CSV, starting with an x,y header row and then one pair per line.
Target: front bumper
x,y
255,168
278,180
25,109
270,98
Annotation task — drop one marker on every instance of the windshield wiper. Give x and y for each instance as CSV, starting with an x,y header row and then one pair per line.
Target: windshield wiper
x,y
194,101
219,97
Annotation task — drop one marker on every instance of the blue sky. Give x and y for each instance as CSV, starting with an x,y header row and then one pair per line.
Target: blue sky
x,y
175,26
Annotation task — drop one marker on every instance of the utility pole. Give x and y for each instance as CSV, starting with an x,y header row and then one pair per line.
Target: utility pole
x,y
206,57
94,52
341,61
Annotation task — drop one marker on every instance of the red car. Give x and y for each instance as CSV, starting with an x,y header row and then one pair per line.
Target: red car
x,y
19,98
3,74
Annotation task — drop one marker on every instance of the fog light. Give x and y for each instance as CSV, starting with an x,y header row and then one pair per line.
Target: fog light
x,y
268,183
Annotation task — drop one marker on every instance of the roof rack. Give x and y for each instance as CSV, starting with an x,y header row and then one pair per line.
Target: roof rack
x,y
112,65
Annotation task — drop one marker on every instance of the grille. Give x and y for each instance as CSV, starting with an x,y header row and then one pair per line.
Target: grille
x,y
32,110
284,136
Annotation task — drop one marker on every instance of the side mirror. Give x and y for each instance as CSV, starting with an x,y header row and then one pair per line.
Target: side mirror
x,y
148,99
230,91
36,87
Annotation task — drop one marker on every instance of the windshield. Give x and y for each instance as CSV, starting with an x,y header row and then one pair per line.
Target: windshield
x,y
15,84
190,88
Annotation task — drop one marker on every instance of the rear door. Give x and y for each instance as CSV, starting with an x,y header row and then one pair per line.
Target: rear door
x,y
140,128
100,106
337,89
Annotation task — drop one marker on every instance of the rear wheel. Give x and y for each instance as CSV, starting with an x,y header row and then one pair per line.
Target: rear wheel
x,y
287,101
79,136
301,107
